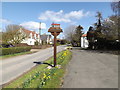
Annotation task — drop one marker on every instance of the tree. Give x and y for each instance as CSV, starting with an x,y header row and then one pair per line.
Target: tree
x,y
91,37
69,33
13,34
77,36
115,7
96,33
98,26
99,15
73,34
106,30
110,28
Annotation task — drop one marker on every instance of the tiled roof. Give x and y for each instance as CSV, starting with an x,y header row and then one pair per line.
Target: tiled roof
x,y
28,32
84,35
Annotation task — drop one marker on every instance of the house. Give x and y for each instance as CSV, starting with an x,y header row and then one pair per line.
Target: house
x,y
84,41
46,39
32,38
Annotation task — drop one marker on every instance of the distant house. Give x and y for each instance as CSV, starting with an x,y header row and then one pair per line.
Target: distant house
x,y
46,39
84,41
31,37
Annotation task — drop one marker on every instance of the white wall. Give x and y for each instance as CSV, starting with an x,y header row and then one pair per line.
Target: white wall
x,y
84,42
33,38
31,42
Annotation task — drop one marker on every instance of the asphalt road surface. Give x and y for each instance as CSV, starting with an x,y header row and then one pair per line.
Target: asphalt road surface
x,y
89,69
14,67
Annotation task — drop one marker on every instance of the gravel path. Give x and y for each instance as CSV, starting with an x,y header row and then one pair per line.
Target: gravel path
x,y
91,70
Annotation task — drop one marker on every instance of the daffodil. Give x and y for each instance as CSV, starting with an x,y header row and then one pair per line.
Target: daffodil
x,y
44,76
48,76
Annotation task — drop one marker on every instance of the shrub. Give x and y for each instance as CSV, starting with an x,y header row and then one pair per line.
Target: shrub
x,y
13,50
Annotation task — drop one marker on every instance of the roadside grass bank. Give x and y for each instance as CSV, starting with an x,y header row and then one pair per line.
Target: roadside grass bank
x,y
44,76
16,54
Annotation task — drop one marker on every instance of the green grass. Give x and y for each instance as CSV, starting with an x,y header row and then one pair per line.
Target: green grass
x,y
17,54
41,76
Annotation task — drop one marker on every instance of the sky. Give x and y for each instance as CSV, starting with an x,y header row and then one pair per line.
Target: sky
x,y
29,14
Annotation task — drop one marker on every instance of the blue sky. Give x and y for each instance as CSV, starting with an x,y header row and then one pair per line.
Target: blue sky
x,y
28,14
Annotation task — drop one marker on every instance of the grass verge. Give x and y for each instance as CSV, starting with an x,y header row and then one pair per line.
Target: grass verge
x,y
17,54
44,76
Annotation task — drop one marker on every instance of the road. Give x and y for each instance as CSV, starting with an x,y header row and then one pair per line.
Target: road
x,y
14,67
89,69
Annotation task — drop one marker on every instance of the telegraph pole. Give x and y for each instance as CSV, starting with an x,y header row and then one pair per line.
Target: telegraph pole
x,y
39,31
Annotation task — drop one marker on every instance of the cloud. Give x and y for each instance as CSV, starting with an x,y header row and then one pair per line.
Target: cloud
x,y
33,25
60,16
5,21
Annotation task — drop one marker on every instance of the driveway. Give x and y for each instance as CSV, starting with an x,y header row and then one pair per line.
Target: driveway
x,y
14,67
89,69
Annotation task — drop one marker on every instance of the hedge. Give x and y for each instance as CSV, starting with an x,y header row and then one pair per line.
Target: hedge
x,y
13,50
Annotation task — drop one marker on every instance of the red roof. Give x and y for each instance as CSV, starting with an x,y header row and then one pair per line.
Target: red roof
x,y
84,35
28,32
54,24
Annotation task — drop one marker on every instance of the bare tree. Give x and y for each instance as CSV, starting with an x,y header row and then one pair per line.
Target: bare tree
x,y
115,7
12,34
69,32
12,27
110,28
73,34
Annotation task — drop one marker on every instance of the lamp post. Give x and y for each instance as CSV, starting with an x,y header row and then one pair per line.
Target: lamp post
x,y
55,30
39,31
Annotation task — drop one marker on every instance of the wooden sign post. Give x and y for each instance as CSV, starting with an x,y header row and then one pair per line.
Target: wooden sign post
x,y
55,30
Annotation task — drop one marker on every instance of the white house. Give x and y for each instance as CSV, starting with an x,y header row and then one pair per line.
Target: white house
x,y
84,41
32,37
